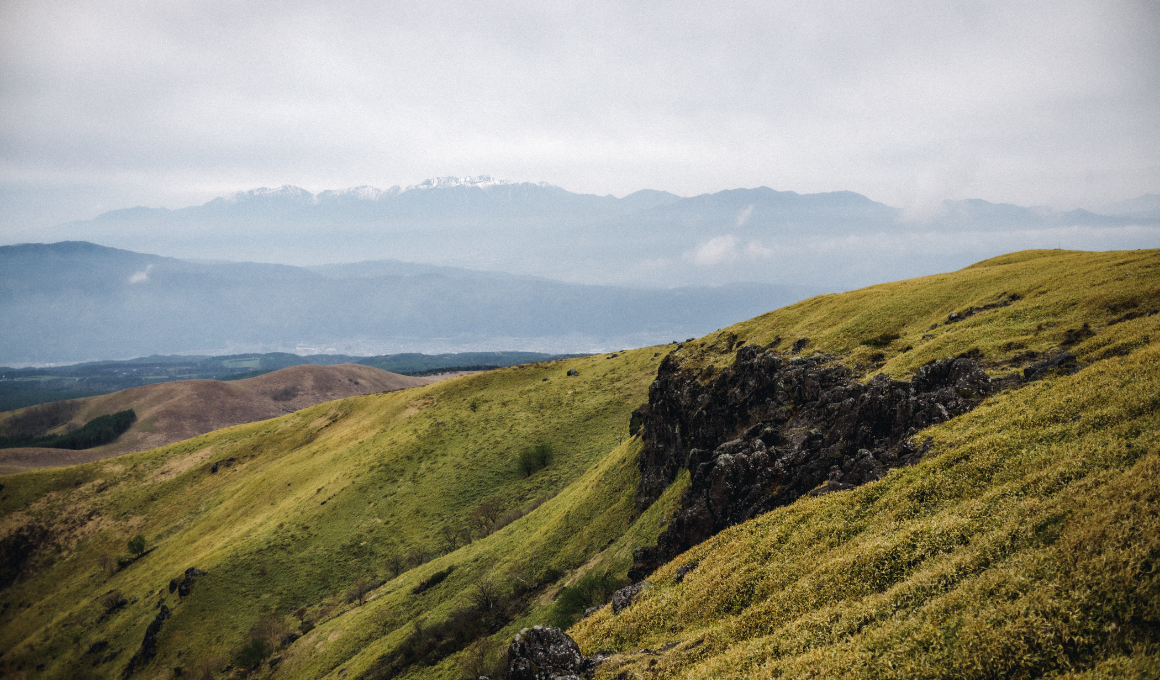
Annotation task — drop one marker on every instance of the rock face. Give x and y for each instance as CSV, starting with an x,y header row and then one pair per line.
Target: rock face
x,y
623,597
764,432
543,652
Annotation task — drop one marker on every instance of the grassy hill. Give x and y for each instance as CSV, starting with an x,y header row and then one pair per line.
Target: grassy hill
x,y
173,411
1024,544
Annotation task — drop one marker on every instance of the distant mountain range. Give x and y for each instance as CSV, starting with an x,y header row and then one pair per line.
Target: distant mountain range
x,y
835,240
76,301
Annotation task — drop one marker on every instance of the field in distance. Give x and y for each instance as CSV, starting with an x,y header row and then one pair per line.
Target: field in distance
x,y
172,411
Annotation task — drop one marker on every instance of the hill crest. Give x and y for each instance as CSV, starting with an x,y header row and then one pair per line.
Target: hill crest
x,y
174,411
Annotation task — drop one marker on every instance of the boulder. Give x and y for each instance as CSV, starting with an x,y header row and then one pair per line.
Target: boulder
x,y
545,653
623,597
573,372
684,569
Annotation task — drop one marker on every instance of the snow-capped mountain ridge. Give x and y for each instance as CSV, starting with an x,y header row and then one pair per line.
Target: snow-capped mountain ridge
x,y
298,196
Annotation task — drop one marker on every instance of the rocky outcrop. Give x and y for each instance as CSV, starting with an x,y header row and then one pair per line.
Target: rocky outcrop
x,y
762,433
185,586
148,648
543,653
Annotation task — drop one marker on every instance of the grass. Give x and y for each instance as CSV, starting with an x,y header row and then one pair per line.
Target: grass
x,y
304,505
1024,546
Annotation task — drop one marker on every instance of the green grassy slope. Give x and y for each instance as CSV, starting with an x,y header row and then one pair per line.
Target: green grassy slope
x,y
1024,545
305,505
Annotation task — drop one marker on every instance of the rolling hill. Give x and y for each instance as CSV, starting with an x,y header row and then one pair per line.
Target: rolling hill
x,y
402,535
173,411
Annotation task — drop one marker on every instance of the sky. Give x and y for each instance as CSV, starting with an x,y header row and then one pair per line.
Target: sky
x,y
106,105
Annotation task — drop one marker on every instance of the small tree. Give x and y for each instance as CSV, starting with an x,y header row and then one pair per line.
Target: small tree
x,y
449,534
360,590
396,562
474,662
482,519
137,545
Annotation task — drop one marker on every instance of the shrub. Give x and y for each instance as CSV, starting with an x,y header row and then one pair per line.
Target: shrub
x,y
359,591
880,340
396,562
113,600
253,652
535,458
589,590
482,520
432,580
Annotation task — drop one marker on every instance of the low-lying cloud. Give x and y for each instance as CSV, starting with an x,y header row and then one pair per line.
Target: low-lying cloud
x,y
141,276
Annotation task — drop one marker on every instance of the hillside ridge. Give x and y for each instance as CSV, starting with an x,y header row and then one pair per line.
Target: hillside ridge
x,y
174,411
401,535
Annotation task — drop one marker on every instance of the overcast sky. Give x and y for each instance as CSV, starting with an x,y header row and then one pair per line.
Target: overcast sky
x,y
109,104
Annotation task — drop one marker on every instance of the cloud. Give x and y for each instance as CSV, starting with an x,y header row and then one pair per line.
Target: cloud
x,y
715,251
141,276
726,249
174,103
744,215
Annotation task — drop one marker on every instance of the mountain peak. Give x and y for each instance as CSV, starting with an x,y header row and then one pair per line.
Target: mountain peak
x,y
480,181
284,192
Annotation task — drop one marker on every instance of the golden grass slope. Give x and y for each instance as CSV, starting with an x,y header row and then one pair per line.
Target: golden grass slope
x,y
1026,545
173,411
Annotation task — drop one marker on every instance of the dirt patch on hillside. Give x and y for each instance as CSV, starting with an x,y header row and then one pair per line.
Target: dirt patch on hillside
x,y
175,411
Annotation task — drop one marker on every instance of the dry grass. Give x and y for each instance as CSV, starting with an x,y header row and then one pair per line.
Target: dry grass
x,y
175,411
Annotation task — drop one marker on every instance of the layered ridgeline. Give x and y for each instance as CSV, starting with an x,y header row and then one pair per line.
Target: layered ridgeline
x,y
75,301
837,240
998,519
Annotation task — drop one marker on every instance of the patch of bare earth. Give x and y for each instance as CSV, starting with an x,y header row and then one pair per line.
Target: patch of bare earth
x,y
174,411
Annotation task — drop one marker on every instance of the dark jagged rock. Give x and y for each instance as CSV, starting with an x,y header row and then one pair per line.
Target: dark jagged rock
x,y
543,652
764,432
1064,364
624,597
148,648
684,569
185,586
1003,300
573,372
